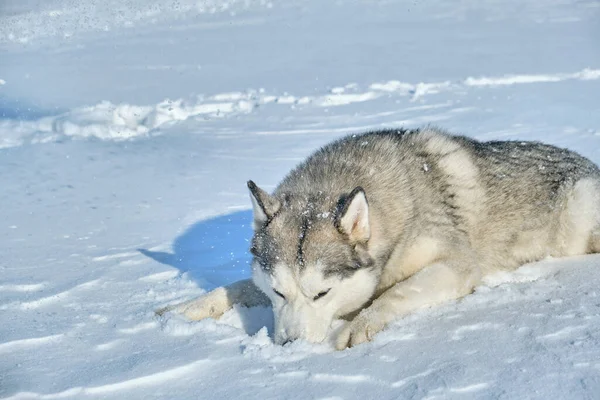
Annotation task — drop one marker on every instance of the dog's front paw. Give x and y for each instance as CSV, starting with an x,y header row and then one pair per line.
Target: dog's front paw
x,y
360,330
211,305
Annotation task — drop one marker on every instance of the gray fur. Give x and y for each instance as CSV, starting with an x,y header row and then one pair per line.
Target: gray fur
x,y
524,183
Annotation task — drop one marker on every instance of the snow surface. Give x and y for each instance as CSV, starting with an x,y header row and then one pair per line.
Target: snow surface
x,y
128,131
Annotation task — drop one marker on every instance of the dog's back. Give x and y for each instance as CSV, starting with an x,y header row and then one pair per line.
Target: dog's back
x,y
511,202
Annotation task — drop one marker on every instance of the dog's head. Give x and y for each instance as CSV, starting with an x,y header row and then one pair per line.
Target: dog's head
x,y
311,258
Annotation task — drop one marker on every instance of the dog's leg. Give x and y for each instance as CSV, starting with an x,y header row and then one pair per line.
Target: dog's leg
x,y
217,302
432,285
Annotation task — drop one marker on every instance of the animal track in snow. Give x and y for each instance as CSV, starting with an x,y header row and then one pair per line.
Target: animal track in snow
x,y
117,122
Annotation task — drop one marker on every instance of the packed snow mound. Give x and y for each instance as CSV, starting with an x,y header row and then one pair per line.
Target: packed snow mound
x,y
107,121
584,75
118,122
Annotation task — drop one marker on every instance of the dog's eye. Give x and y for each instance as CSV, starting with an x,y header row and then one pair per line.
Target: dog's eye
x,y
279,294
322,294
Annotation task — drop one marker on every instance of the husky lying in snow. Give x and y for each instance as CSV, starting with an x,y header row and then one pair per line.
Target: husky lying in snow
x,y
374,226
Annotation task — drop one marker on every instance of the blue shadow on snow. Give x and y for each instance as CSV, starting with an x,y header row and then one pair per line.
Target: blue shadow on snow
x,y
213,252
22,110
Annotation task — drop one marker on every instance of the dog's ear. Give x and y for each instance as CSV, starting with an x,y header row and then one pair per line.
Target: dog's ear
x,y
352,216
263,204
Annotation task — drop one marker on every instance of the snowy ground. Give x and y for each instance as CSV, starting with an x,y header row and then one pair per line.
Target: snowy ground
x,y
128,131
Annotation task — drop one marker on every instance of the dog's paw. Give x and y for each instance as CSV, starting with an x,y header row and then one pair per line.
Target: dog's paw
x,y
210,305
360,330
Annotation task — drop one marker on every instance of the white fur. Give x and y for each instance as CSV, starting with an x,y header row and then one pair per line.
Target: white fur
x,y
432,285
423,251
579,218
299,315
462,176
258,213
218,301
355,221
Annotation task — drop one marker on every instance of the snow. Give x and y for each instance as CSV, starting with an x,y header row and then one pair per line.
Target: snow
x,y
108,121
128,131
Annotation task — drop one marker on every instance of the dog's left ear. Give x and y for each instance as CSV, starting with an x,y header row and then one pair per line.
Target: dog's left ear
x,y
352,217
263,204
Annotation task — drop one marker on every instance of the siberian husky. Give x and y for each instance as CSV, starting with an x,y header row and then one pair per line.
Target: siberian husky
x,y
376,225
